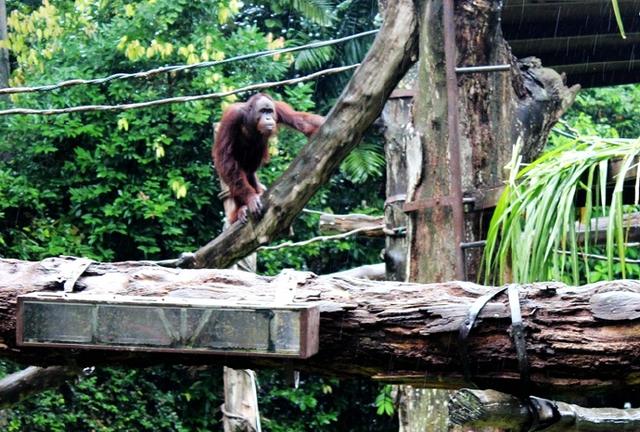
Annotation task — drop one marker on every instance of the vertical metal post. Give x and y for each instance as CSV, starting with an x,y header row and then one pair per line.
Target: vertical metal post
x,y
454,133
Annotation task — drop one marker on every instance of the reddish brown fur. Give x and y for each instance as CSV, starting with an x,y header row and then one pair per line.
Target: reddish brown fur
x,y
241,146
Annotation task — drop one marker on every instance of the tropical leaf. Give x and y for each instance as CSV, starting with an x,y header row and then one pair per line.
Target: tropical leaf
x,y
364,162
616,12
532,235
314,59
317,11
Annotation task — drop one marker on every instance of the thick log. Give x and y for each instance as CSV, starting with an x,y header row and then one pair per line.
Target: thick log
x,y
578,342
478,408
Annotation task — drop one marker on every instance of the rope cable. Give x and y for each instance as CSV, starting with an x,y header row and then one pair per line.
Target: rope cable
x,y
178,99
178,68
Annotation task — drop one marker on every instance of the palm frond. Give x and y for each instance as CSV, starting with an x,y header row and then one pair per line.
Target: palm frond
x,y
533,233
364,162
314,59
317,11
616,12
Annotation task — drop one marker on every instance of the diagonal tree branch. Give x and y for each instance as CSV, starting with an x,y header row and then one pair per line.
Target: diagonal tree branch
x,y
392,53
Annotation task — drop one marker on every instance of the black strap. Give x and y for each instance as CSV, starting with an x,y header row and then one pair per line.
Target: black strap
x,y
517,332
467,325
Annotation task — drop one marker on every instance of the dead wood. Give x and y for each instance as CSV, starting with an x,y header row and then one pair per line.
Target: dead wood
x,y
580,340
20,385
336,224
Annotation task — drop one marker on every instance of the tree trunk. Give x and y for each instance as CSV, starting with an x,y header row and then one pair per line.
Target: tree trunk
x,y
240,410
465,147
580,341
495,111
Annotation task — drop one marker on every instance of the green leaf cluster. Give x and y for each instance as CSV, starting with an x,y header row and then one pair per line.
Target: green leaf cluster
x,y
533,234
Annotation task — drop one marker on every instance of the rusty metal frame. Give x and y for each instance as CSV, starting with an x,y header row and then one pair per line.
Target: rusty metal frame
x,y
308,336
453,137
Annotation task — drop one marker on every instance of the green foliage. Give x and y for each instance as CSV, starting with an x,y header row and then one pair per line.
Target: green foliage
x,y
569,167
317,11
609,112
384,401
110,399
121,186
364,162
341,18
533,229
319,404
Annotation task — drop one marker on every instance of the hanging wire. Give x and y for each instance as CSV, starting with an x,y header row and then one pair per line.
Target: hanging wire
x,y
178,99
178,68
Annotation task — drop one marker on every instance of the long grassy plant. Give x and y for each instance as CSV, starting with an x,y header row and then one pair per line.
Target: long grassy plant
x,y
533,235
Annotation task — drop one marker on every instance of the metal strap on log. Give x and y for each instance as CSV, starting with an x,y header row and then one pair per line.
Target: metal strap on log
x,y
517,333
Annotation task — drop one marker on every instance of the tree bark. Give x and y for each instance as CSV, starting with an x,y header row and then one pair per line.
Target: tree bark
x,y
20,385
479,408
581,341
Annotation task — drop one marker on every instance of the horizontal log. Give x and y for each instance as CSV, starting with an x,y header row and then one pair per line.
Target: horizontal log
x,y
372,226
478,409
598,228
20,385
581,341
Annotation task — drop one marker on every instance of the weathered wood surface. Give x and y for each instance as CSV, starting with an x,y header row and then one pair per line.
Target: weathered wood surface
x,y
397,332
337,224
478,408
20,385
391,54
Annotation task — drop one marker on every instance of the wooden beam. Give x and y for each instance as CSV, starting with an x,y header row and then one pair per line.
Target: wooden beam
x,y
581,341
598,228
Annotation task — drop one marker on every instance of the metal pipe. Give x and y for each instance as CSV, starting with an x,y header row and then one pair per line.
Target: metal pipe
x,y
454,134
487,68
475,244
